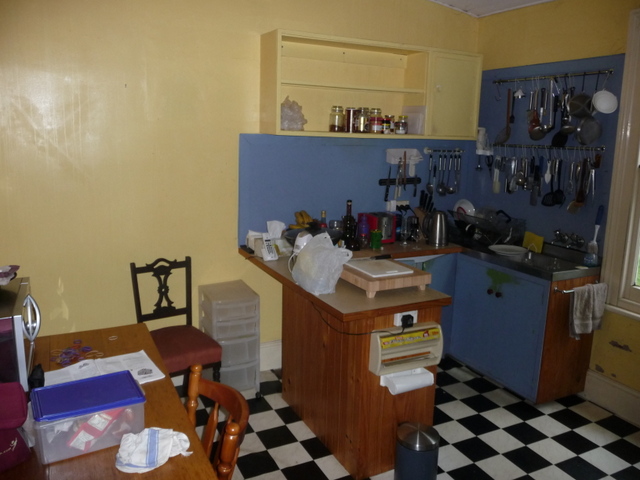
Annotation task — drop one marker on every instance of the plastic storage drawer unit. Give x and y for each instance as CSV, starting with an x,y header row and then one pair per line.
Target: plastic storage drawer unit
x,y
230,313
87,415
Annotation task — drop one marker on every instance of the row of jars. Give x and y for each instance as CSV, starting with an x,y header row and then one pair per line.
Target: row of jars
x,y
366,120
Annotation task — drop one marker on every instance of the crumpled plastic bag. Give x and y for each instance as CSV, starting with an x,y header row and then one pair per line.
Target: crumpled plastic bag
x,y
291,117
319,265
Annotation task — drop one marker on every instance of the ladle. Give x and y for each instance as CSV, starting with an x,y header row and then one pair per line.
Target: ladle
x,y
431,174
451,188
442,188
456,174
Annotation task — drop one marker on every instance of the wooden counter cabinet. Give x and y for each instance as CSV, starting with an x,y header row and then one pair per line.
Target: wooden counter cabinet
x,y
514,328
326,380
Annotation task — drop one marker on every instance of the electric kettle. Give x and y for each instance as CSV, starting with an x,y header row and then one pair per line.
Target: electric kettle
x,y
436,230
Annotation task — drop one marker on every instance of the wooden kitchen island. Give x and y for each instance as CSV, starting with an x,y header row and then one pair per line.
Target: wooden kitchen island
x,y
325,366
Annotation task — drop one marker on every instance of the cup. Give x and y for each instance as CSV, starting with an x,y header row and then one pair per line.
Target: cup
x,y
376,239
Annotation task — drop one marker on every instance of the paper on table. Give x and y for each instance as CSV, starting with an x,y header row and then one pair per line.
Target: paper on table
x,y
138,363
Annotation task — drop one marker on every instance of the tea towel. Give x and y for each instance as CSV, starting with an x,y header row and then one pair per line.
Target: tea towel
x,y
149,449
587,308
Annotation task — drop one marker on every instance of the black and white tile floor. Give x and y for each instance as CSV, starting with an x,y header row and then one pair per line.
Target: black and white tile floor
x,y
486,433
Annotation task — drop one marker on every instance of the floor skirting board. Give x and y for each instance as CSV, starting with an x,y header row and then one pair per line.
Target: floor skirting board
x,y
270,355
613,396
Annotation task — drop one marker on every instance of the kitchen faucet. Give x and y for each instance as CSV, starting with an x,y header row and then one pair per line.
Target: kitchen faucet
x,y
568,240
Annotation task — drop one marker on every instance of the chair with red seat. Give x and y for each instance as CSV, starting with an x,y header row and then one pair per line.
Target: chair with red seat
x,y
180,346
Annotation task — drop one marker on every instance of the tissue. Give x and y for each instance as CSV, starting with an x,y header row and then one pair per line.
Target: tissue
x,y
407,381
275,228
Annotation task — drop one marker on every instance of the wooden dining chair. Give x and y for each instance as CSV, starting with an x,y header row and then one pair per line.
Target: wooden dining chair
x,y
180,346
232,433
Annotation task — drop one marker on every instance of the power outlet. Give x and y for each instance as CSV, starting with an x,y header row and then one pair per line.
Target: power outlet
x,y
402,203
397,317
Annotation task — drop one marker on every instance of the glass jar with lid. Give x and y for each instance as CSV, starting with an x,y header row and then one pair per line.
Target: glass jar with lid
x,y
362,124
375,120
402,125
388,124
336,119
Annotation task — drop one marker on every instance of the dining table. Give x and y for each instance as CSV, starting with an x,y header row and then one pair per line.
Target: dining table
x,y
162,409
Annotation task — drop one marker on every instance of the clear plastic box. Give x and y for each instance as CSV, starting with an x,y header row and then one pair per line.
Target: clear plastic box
x,y
240,350
74,418
227,301
237,328
241,377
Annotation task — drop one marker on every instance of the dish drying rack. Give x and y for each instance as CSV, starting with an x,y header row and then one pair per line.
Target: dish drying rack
x,y
496,227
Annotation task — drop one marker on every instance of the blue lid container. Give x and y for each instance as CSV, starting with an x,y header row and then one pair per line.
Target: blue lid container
x,y
86,396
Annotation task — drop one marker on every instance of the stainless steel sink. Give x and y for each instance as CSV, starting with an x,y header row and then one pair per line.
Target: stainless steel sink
x,y
556,263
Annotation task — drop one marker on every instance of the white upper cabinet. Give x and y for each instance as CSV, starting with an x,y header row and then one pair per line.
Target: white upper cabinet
x,y
319,71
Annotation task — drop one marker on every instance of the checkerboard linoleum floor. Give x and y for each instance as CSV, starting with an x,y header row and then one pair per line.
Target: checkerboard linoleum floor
x,y
486,432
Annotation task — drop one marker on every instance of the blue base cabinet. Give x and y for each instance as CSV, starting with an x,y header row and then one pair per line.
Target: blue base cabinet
x,y
499,318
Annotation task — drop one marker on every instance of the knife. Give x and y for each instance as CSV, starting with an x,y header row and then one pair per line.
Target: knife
x,y
386,189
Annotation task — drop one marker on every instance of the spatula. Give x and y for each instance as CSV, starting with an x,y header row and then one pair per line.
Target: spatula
x,y
505,133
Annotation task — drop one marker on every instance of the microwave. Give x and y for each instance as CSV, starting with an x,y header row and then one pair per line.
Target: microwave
x,y
19,317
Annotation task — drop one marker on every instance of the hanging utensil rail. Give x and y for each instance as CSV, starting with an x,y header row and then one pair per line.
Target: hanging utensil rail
x,y
548,147
445,150
608,71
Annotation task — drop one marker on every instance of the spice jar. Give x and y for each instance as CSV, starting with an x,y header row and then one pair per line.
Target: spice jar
x,y
402,126
362,125
375,120
336,119
388,124
350,119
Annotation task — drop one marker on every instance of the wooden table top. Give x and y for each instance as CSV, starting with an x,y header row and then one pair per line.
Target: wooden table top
x,y
162,409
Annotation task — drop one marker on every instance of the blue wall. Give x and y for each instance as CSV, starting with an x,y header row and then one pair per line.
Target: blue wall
x,y
280,175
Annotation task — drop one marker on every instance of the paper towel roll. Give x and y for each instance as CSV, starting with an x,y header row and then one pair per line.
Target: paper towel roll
x,y
407,381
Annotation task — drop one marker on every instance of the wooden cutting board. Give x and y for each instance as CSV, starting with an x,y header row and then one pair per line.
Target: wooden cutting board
x,y
372,285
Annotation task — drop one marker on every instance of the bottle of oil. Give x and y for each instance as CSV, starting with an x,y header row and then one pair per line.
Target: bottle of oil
x,y
323,219
350,230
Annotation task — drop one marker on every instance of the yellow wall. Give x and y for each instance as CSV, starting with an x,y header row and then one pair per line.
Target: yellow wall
x,y
616,350
555,31
119,124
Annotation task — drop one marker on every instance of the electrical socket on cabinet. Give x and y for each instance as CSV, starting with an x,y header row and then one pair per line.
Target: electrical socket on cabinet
x,y
397,317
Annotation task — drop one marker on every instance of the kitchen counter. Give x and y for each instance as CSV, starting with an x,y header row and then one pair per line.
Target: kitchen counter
x,y
349,302
325,363
540,266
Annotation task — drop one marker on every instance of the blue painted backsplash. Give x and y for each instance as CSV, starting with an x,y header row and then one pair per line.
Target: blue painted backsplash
x,y
280,175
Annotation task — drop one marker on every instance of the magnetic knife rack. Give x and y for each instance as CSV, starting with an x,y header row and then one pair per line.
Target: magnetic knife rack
x,y
383,182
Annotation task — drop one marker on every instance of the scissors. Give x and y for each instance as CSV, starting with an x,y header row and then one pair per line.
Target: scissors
x,y
31,325
489,161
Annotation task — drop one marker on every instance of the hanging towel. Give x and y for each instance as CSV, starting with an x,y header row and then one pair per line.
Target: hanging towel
x,y
149,449
587,308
